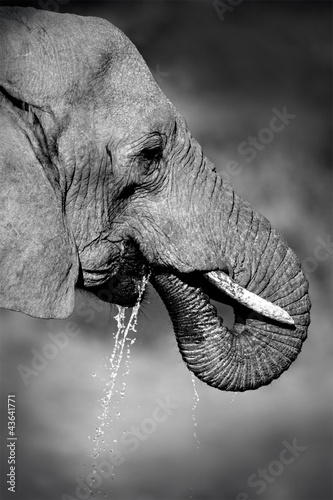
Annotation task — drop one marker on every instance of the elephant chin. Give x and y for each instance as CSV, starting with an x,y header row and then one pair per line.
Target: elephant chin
x,y
256,350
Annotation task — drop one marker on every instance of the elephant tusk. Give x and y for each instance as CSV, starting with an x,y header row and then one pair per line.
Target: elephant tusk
x,y
224,283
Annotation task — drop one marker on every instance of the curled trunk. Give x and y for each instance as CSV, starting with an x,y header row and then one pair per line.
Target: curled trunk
x,y
257,349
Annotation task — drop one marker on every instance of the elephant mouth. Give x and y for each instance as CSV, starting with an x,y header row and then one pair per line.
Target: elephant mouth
x,y
123,289
120,284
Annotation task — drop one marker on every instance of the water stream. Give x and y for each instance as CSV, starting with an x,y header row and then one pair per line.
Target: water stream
x,y
194,407
122,344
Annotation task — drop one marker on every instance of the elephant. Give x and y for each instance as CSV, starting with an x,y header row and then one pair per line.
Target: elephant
x,y
103,187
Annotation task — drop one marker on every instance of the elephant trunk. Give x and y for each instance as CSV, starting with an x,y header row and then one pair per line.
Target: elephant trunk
x,y
257,349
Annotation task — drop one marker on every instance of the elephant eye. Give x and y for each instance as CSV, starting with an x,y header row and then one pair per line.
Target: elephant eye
x,y
151,153
150,157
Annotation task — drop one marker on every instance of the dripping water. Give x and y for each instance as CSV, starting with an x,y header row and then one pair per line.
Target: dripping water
x,y
122,343
195,425
233,397
194,408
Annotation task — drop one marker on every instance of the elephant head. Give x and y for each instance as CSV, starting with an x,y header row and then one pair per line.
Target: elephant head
x,y
103,184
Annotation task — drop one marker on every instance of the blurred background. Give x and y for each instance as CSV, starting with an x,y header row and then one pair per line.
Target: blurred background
x,y
225,70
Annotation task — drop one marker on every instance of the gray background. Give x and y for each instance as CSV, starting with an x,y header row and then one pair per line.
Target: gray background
x,y
225,77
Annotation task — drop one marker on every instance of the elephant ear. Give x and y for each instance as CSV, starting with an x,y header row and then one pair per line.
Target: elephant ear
x,y
38,258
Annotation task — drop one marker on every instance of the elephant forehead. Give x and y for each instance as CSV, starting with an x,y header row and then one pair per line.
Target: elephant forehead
x,y
52,55
130,94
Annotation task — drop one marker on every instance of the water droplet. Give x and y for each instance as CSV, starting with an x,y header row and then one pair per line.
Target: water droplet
x,y
233,397
93,374
194,407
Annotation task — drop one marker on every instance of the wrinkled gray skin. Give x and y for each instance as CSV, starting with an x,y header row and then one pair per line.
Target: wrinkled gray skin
x,y
102,182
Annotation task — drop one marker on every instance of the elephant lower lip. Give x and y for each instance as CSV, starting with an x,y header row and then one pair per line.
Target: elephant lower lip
x,y
95,278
